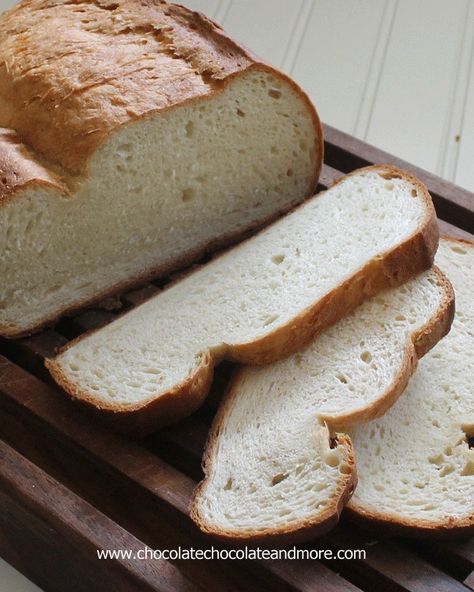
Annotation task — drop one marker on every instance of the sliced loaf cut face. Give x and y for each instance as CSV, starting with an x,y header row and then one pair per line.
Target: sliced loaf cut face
x,y
416,464
275,470
136,136
257,303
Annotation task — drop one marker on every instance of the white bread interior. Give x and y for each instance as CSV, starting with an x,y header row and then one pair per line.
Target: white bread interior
x,y
415,465
270,470
157,193
258,302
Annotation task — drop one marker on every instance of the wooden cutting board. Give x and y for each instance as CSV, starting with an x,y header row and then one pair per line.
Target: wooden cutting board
x,y
69,486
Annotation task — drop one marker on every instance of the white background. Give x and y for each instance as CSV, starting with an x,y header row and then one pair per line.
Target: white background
x,y
397,73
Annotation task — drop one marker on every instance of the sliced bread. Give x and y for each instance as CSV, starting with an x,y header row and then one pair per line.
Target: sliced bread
x,y
275,470
258,302
137,135
416,464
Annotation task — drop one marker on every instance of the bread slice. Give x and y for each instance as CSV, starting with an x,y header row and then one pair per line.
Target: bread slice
x,y
258,302
416,464
275,470
136,136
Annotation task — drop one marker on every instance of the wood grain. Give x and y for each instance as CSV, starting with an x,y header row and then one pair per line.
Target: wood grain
x,y
52,535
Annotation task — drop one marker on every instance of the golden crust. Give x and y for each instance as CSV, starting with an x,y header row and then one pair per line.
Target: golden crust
x,y
72,71
393,268
186,396
418,529
19,168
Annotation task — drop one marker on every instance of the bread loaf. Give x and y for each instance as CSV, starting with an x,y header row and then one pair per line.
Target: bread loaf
x,y
275,467
135,136
259,302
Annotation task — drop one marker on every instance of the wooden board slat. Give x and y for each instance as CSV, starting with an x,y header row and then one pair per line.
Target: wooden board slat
x,y
45,525
58,415
134,511
448,229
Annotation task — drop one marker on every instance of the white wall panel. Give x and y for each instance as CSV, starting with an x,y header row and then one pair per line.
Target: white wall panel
x,y
451,144
464,166
414,98
265,27
4,4
208,7
334,58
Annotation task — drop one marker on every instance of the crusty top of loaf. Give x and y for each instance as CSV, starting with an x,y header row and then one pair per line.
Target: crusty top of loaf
x,y
73,70
19,168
